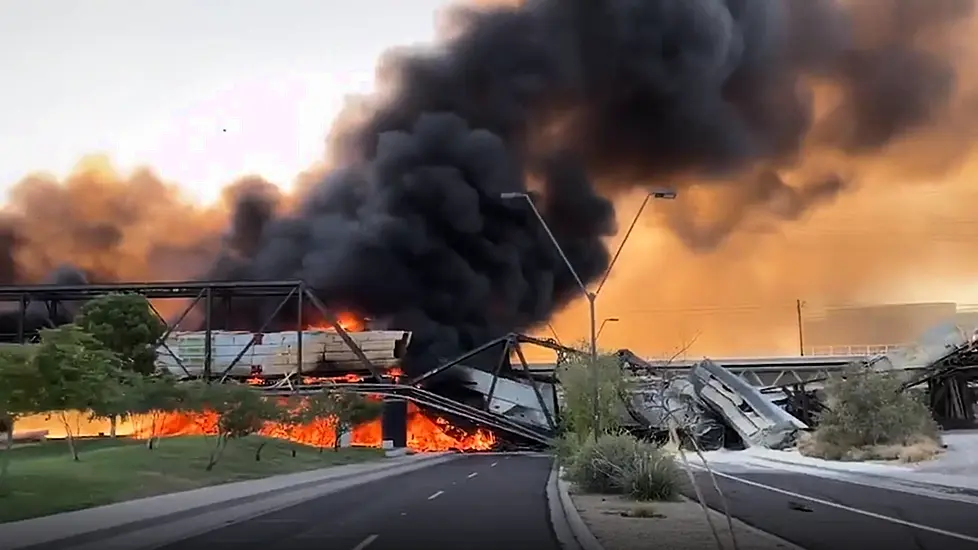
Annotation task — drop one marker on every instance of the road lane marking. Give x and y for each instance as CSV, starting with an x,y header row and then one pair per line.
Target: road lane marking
x,y
905,523
436,495
493,465
473,474
366,542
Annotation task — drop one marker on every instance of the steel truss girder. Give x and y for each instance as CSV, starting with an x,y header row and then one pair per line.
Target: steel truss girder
x,y
52,296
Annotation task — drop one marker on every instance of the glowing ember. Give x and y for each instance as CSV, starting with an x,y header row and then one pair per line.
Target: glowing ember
x,y
424,433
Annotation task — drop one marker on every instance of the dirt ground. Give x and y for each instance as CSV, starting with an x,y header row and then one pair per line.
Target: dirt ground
x,y
619,524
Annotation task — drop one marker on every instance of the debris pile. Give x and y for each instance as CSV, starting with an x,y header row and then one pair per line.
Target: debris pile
x,y
712,407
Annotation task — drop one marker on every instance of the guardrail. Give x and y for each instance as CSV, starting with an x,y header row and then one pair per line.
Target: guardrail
x,y
867,350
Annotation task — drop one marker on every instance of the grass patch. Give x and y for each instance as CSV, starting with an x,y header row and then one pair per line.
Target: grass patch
x,y
912,450
44,480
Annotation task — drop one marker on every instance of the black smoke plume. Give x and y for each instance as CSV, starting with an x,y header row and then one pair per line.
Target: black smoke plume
x,y
577,101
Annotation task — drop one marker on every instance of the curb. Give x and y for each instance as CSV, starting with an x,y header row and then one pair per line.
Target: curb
x,y
96,535
568,526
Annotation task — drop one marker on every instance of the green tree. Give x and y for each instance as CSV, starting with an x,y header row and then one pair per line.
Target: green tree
x,y
125,324
241,411
155,397
590,386
19,384
350,410
77,374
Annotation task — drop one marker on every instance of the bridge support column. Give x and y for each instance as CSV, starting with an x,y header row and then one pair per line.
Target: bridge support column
x,y
393,424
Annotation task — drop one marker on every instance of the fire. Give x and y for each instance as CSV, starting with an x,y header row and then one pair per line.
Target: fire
x,y
348,321
424,433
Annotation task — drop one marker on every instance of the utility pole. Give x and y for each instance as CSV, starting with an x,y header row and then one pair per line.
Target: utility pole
x,y
801,327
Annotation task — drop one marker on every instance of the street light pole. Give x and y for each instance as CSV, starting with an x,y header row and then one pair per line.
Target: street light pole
x,y
592,297
577,278
605,322
661,194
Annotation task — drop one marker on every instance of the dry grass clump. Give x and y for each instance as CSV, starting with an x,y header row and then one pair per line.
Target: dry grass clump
x,y
869,418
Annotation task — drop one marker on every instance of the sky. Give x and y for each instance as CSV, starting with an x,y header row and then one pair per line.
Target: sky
x,y
202,90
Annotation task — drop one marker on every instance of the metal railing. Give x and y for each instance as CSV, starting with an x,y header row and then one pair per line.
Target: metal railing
x,y
866,350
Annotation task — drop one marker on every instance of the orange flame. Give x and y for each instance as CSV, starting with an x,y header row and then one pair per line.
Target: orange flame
x,y
424,433
348,321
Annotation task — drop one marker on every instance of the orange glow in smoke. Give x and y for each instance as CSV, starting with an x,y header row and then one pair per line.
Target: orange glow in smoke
x,y
424,433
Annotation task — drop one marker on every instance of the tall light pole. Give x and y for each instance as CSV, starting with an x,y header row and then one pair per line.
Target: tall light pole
x,y
605,322
658,194
577,278
666,194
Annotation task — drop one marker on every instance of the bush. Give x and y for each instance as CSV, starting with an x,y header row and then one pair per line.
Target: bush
x,y
620,464
868,418
577,381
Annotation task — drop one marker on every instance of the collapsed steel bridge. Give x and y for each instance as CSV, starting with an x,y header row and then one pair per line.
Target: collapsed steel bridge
x,y
493,411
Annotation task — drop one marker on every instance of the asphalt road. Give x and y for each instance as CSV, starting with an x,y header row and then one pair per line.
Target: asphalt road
x,y
477,502
845,515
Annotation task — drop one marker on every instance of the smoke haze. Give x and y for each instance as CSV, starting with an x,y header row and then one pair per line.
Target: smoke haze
x,y
789,129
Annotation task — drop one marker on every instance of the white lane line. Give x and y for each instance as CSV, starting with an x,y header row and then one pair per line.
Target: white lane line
x,y
473,474
493,465
366,542
912,525
436,495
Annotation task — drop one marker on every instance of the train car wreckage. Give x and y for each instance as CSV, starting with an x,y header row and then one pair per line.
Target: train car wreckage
x,y
711,406
711,403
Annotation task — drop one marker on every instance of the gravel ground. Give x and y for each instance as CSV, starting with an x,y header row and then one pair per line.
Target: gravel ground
x,y
672,525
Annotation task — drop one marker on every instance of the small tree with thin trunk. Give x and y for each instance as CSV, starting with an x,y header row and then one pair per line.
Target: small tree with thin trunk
x,y
289,418
155,397
318,410
19,384
351,410
77,374
241,411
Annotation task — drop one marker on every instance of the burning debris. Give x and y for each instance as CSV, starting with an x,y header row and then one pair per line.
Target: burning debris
x,y
425,433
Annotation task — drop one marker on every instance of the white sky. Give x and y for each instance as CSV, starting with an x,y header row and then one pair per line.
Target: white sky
x,y
158,82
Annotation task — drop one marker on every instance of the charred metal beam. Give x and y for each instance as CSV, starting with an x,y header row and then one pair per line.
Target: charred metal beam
x,y
536,389
208,333
467,355
170,327
503,358
547,343
334,322
299,331
189,289
255,336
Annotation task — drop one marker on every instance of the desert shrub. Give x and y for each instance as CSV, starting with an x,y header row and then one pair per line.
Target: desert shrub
x,y
869,418
650,475
565,447
578,378
621,464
